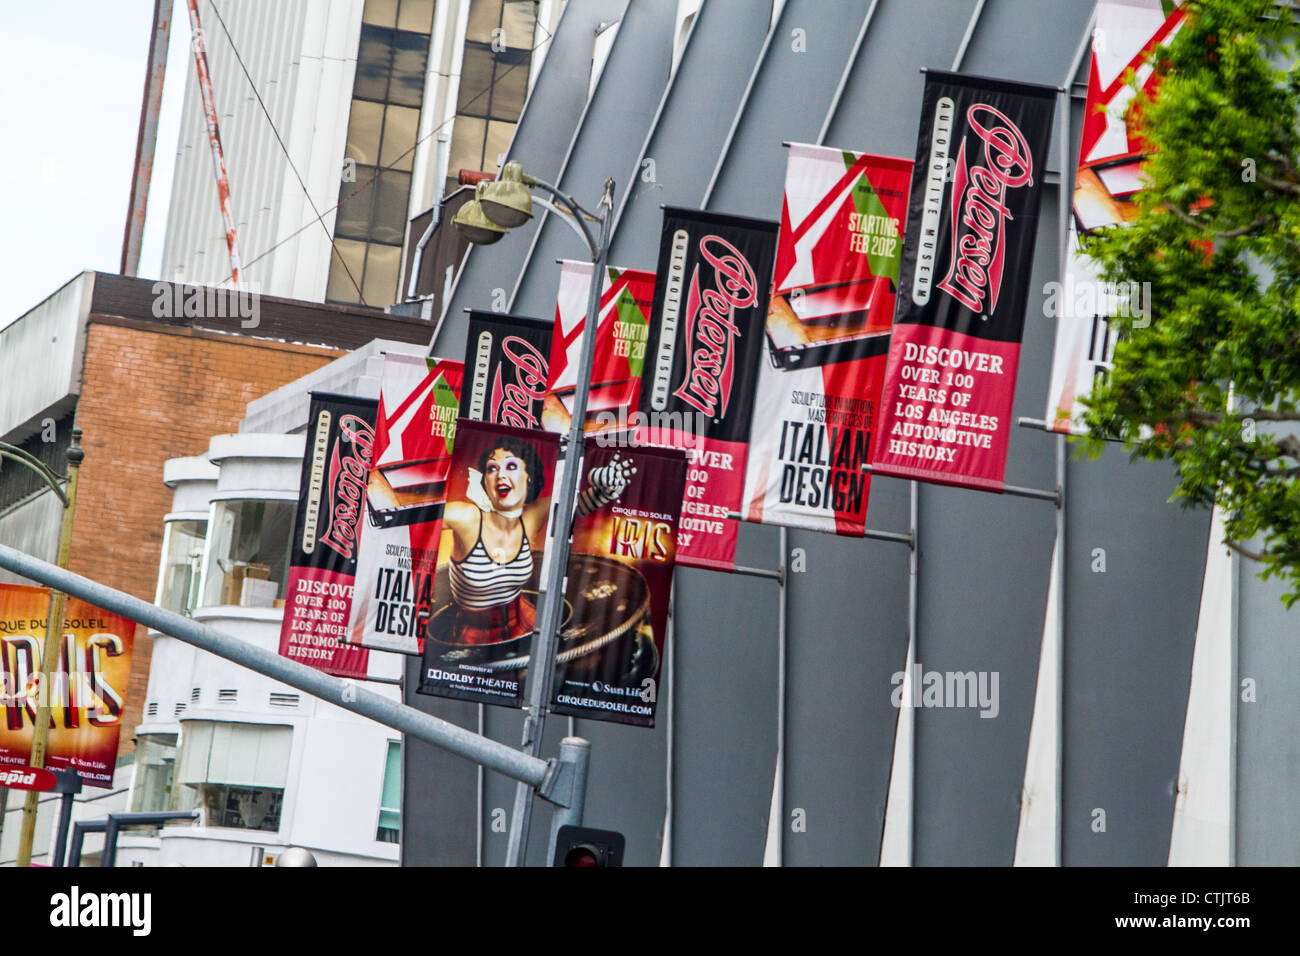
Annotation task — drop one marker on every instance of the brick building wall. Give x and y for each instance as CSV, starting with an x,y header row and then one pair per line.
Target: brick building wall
x,y
151,393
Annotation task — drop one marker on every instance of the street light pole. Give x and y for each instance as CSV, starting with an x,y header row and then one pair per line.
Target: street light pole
x,y
541,665
50,658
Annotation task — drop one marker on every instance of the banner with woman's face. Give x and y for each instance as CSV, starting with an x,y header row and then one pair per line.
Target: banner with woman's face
x,y
485,601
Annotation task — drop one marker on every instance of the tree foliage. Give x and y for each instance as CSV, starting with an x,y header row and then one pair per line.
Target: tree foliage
x,y
1212,382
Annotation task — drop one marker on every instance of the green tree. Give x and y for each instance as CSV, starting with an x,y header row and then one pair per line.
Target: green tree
x,y
1212,382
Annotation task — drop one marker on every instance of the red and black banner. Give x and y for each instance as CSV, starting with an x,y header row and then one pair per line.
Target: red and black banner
x,y
620,578
505,369
485,588
950,383
710,308
325,544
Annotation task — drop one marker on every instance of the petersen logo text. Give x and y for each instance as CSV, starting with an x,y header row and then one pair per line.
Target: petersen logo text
x,y
76,909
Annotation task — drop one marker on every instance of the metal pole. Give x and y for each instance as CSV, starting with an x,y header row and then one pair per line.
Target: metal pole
x,y
783,584
575,752
50,655
913,655
214,140
118,822
343,694
147,137
79,831
69,786
541,668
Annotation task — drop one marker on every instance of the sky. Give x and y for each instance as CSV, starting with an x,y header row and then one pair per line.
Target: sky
x,y
72,76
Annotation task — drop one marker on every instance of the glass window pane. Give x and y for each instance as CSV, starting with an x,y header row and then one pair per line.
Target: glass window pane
x,y
391,797
401,125
416,15
382,13
182,564
248,557
467,135
410,54
519,20
511,86
484,17
498,141
474,97
340,288
352,218
374,63
389,224
363,131
380,285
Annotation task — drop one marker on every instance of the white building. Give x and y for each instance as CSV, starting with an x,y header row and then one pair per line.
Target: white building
x,y
374,101
267,765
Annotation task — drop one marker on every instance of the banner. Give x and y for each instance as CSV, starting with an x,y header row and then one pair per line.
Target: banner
x,y
505,369
89,689
415,431
620,578
1108,175
326,536
484,592
710,306
950,382
828,324
621,338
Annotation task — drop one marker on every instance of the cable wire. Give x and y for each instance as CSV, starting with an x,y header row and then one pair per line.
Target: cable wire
x,y
320,217
498,77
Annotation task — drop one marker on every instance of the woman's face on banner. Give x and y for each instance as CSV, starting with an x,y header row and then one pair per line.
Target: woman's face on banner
x,y
505,480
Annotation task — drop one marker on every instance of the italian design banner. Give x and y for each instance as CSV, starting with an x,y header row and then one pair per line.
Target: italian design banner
x,y
419,401
326,536
1109,173
621,339
505,369
951,378
620,577
89,687
710,308
818,400
490,563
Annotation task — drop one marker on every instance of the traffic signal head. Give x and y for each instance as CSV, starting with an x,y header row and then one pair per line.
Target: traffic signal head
x,y
584,846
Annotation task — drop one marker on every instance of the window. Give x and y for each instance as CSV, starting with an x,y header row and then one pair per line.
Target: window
x,y
155,768
390,800
247,562
374,195
235,773
493,83
182,565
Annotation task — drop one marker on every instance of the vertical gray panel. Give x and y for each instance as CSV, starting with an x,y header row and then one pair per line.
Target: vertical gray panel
x,y
693,122
877,113
439,789
541,143
616,124
724,749
1129,635
791,95
724,780
986,558
984,568
848,611
1268,747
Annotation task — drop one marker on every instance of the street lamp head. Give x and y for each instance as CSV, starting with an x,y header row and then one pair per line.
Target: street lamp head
x,y
506,200
470,222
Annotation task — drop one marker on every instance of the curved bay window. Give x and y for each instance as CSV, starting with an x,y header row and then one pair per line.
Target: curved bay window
x,y
235,773
182,565
247,563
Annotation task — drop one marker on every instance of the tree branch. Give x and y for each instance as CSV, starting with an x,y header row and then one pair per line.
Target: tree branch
x,y
1259,223
1281,185
1244,552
